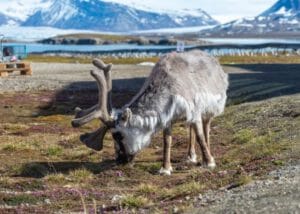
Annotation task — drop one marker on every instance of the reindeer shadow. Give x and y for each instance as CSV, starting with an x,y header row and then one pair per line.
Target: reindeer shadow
x,y
42,169
263,81
85,94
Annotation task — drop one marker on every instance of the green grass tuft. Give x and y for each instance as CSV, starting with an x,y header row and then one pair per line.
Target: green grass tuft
x,y
54,151
56,178
20,199
131,201
243,180
182,190
147,189
243,136
81,175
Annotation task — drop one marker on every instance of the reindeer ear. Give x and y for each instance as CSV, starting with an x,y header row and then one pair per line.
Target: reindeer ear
x,y
126,115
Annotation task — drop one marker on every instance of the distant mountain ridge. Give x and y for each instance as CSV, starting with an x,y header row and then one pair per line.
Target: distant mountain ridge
x,y
292,6
3,19
282,18
105,16
7,20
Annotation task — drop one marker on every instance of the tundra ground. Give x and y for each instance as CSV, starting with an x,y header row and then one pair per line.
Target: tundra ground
x,y
44,168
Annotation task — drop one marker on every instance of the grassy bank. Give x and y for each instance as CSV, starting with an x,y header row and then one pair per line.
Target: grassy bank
x,y
44,167
87,60
270,59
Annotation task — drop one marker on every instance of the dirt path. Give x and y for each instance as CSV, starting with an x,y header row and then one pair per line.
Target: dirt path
x,y
280,193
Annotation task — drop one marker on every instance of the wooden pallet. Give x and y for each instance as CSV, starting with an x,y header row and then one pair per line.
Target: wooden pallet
x,y
23,67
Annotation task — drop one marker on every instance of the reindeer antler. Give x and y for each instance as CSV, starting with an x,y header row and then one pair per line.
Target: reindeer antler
x,y
101,110
98,111
107,73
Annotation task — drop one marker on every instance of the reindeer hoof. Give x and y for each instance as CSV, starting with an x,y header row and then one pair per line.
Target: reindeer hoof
x,y
192,159
210,165
164,171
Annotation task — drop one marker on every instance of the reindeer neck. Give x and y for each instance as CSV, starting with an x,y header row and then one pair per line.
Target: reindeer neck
x,y
154,113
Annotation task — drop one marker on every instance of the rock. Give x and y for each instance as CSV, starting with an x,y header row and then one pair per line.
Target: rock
x,y
116,198
47,201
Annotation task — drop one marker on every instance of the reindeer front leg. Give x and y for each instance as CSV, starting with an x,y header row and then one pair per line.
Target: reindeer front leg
x,y
167,167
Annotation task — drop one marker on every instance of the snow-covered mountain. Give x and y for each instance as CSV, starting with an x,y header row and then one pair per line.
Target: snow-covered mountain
x,y
7,20
282,18
21,9
3,19
100,15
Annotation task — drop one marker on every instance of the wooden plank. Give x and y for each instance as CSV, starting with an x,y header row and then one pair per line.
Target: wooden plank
x,y
23,67
2,66
26,72
14,69
3,74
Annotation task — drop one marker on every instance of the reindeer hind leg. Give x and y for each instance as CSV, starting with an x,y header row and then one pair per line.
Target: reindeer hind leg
x,y
207,158
206,130
192,156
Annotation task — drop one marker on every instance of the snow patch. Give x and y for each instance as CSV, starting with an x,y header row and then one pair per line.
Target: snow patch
x,y
281,11
22,9
30,34
175,30
294,21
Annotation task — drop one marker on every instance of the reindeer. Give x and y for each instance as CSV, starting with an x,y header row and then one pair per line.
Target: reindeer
x,y
189,86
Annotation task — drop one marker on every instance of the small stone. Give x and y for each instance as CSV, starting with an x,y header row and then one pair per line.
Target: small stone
x,y
116,198
187,198
175,210
200,197
47,201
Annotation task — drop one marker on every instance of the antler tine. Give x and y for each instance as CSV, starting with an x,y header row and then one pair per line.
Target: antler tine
x,y
102,97
80,112
101,110
107,73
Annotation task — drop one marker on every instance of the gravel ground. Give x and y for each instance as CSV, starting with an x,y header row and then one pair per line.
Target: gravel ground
x,y
280,193
52,76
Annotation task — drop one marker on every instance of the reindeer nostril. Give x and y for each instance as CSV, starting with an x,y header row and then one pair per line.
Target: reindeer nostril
x,y
75,124
124,158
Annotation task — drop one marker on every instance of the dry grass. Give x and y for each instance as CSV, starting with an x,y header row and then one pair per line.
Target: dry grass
x,y
259,59
87,60
256,59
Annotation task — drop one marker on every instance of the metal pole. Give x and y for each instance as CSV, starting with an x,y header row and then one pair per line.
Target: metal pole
x,y
1,46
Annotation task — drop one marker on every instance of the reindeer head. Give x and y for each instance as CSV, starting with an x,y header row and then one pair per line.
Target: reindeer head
x,y
116,121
